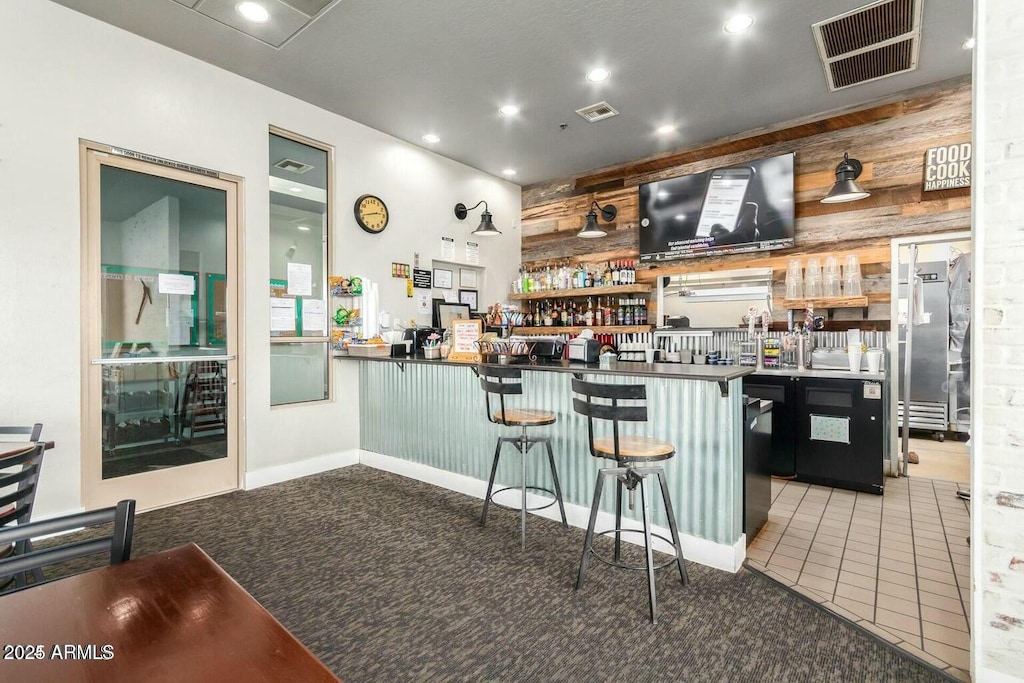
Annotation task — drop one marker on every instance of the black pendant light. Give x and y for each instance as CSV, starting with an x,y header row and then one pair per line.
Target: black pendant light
x,y
846,188
592,229
486,227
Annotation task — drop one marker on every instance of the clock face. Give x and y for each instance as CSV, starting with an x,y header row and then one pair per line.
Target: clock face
x,y
371,213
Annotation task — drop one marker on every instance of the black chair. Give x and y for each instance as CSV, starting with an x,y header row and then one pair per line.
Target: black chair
x,y
118,545
19,476
633,456
502,382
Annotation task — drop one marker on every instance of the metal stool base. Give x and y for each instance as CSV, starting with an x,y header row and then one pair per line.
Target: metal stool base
x,y
632,476
623,565
523,444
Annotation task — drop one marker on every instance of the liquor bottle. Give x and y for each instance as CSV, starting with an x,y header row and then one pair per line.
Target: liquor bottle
x,y
567,316
555,322
615,273
590,276
627,316
598,314
547,314
628,271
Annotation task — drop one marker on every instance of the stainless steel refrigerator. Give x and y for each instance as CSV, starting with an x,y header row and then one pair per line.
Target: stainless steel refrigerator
x,y
930,362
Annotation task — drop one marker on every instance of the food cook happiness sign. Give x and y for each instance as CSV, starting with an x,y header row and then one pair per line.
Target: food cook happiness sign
x,y
947,167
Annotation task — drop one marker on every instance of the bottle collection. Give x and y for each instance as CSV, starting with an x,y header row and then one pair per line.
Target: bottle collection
x,y
607,312
580,276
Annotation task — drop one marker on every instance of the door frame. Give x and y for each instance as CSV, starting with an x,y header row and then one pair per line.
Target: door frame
x,y
91,463
894,333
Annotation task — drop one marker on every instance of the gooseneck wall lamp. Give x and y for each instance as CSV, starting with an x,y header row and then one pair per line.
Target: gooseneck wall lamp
x,y
592,229
486,227
846,188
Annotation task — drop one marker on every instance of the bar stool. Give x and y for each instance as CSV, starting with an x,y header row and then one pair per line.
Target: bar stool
x,y
504,381
633,455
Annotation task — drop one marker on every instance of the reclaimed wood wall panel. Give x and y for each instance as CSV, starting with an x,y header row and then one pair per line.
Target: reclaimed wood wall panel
x,y
890,138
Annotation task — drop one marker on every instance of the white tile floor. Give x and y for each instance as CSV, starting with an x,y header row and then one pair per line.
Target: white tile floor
x,y
897,565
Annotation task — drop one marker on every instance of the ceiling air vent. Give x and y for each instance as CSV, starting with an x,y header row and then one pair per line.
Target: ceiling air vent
x,y
875,41
597,112
293,166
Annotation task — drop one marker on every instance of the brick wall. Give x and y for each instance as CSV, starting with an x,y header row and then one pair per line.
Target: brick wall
x,y
998,386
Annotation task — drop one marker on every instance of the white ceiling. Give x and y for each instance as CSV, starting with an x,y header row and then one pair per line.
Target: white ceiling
x,y
409,67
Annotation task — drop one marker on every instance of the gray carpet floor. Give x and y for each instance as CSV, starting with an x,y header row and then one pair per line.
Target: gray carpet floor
x,y
387,579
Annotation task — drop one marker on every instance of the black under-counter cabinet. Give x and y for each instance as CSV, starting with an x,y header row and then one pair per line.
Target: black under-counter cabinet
x,y
826,431
757,450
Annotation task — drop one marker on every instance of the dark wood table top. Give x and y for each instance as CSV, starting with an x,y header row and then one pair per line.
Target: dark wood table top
x,y
172,616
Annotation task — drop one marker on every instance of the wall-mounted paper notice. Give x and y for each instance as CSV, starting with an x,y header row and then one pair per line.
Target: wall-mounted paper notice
x,y
282,315
448,248
472,253
300,279
314,316
423,302
450,296
175,283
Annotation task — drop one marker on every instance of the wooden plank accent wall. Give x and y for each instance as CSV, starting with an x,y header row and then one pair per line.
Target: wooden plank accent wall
x,y
890,138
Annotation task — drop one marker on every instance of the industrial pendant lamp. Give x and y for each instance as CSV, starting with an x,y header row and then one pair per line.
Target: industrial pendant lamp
x,y
846,188
486,227
592,229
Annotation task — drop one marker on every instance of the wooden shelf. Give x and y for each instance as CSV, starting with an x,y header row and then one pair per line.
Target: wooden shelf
x,y
827,302
576,329
582,292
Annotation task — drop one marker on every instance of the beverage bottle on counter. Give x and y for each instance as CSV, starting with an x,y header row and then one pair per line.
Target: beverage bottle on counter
x,y
599,314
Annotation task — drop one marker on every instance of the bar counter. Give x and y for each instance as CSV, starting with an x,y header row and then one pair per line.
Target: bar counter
x,y
430,414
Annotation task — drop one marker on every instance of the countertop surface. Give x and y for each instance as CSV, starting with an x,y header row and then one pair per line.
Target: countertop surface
x,y
709,373
821,374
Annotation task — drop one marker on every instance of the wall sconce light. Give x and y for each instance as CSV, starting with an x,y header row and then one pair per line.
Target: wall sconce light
x,y
846,188
592,229
486,227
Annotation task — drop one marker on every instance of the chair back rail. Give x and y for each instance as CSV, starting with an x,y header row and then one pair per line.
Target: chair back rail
x,y
609,409
117,546
502,382
34,432
28,460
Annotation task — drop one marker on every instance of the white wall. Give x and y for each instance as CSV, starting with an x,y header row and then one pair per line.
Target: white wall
x,y
65,77
997,474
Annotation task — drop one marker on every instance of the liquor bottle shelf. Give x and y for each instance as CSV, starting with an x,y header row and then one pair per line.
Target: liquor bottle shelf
x,y
576,329
581,292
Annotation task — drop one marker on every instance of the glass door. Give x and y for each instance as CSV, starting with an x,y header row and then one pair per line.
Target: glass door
x,y
160,331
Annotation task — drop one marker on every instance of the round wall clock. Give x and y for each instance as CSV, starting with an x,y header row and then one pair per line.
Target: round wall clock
x,y
371,213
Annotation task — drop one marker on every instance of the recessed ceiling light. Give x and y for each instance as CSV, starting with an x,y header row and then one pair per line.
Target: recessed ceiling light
x,y
509,110
509,172
968,44
303,228
253,11
598,75
666,129
739,24
295,189
430,139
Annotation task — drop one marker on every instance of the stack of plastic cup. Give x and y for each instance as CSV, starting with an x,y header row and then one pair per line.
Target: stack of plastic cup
x,y
854,352
851,276
813,287
794,280
832,277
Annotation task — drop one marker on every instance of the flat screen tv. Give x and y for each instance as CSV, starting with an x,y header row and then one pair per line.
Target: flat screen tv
x,y
745,207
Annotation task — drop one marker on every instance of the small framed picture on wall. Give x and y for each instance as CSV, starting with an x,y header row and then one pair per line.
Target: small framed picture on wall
x,y
469,297
442,278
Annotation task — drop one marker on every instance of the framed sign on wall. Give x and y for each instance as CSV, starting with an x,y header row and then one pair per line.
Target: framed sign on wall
x,y
468,297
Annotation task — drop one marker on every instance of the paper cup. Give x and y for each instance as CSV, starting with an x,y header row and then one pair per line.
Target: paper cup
x,y
874,360
855,361
649,355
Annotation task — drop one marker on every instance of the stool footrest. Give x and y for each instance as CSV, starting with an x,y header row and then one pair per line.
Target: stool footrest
x,y
539,489
631,567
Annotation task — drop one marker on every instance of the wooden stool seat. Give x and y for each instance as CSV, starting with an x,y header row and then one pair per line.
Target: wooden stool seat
x,y
635,448
516,417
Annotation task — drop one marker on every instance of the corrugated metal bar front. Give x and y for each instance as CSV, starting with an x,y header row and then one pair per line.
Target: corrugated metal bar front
x,y
434,415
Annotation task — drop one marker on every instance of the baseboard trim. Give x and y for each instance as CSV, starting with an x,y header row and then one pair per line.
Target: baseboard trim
x,y
303,468
702,551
